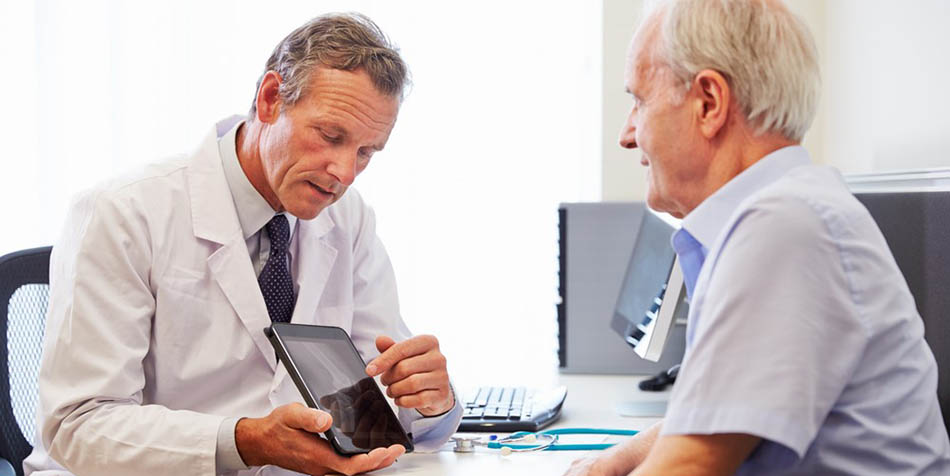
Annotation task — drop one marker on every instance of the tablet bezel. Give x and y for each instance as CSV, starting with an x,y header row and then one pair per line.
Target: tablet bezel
x,y
278,331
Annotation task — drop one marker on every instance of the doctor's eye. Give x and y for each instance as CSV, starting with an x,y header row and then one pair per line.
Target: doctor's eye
x,y
365,153
330,137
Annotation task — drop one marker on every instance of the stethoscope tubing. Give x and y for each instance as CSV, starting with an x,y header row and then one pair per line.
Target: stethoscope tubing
x,y
586,431
553,445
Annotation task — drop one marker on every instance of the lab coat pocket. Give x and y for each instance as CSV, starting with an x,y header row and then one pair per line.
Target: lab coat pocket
x,y
185,307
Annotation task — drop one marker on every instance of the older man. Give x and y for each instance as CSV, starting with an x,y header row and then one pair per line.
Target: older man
x,y
155,361
805,353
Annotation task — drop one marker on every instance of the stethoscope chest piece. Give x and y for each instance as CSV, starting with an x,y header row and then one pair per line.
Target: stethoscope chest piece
x,y
463,445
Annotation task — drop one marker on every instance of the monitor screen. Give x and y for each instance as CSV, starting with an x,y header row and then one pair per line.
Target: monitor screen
x,y
652,296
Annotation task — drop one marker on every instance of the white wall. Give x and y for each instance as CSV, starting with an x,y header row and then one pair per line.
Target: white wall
x,y
500,127
887,66
623,177
884,100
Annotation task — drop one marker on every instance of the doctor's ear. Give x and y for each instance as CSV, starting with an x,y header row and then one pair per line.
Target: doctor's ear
x,y
268,97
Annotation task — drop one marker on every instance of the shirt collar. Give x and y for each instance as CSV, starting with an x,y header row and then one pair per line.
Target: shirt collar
x,y
253,211
706,221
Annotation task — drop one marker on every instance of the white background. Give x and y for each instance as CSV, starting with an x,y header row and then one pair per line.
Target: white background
x,y
500,127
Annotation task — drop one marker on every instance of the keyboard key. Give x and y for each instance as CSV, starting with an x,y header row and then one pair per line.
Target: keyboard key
x,y
506,396
472,397
495,397
496,412
482,398
518,399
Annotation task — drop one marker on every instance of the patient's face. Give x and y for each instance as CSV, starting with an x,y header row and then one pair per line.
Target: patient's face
x,y
661,125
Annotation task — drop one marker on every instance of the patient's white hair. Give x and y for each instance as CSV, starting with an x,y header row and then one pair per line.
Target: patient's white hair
x,y
765,52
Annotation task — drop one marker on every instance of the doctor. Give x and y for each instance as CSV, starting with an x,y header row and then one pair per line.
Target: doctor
x,y
154,358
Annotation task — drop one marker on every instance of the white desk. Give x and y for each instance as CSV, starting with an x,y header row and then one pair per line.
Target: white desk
x,y
590,403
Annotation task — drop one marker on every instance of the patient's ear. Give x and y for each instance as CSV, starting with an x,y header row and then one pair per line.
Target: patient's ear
x,y
268,97
712,97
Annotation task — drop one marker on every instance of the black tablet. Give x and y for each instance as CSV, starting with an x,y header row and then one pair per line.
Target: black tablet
x,y
331,376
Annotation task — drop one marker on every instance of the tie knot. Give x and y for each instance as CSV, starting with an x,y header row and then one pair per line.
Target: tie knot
x,y
278,230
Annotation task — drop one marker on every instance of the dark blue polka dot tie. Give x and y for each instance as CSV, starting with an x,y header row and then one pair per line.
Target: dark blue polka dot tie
x,y
276,284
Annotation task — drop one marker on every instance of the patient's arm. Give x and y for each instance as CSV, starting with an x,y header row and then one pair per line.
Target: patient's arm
x,y
697,455
620,459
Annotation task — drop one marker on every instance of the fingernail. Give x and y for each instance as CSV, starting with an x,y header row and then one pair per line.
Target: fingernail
x,y
371,369
323,419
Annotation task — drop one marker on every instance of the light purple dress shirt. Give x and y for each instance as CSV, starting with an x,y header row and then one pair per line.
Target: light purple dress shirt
x,y
802,331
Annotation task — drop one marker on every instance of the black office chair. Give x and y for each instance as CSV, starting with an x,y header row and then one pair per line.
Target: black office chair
x,y
916,226
24,295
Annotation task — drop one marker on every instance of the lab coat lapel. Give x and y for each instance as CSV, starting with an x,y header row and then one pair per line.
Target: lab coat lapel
x,y
215,219
316,258
232,269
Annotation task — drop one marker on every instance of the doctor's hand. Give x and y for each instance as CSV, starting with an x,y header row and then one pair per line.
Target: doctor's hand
x,y
288,437
414,374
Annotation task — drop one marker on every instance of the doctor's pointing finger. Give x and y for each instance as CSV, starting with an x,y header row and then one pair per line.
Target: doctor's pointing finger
x,y
414,372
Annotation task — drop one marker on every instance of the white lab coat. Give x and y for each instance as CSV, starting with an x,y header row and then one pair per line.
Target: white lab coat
x,y
161,336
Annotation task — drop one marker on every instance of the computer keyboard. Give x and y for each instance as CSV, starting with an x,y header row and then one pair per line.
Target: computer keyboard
x,y
506,409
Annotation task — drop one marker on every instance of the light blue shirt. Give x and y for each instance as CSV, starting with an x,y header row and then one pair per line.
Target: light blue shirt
x,y
802,331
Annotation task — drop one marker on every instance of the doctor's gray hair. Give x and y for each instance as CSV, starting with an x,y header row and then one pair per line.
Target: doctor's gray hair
x,y
764,51
344,41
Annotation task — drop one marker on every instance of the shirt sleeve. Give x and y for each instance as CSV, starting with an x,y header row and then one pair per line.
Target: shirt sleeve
x,y
226,456
777,335
430,433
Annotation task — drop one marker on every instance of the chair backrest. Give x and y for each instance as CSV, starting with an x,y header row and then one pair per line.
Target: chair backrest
x,y
916,226
24,295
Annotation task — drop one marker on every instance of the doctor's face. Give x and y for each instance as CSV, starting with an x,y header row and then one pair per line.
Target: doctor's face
x,y
313,150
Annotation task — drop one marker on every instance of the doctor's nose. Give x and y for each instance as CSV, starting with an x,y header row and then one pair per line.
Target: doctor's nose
x,y
343,167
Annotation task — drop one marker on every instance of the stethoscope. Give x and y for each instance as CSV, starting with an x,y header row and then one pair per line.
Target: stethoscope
x,y
547,440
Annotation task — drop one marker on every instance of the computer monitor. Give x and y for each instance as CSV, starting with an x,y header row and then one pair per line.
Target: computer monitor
x,y
652,298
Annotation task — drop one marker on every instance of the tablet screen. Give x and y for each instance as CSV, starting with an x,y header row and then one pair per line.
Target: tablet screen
x,y
335,377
